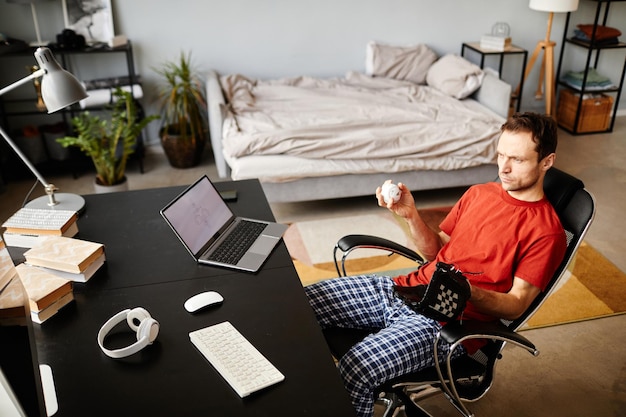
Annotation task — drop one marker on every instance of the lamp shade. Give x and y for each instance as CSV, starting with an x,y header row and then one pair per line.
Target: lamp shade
x,y
59,88
557,6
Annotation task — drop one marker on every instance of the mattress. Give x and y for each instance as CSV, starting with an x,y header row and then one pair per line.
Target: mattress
x,y
285,129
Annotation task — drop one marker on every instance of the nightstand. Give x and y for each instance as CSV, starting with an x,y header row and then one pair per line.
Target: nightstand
x,y
511,50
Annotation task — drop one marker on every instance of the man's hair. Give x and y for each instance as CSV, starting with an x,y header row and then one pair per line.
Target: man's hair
x,y
541,127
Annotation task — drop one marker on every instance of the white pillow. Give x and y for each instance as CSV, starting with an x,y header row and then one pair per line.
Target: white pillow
x,y
408,63
455,76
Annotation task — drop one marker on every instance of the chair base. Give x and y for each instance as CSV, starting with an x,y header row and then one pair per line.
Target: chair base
x,y
407,399
401,400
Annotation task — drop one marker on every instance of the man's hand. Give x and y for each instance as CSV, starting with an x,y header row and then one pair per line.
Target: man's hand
x,y
426,240
405,207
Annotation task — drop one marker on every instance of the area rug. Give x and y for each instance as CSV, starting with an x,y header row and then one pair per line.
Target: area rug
x,y
593,287
311,244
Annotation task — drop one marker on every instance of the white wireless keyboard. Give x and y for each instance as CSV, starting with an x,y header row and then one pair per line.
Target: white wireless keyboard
x,y
235,358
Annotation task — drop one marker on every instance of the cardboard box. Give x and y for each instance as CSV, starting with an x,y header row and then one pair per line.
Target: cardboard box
x,y
595,112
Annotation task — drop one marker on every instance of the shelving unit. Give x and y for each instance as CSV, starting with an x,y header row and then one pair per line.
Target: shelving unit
x,y
13,108
593,54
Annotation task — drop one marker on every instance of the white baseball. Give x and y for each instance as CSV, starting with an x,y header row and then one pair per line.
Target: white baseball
x,y
390,192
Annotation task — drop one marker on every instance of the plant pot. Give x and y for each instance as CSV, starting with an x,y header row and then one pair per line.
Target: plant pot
x,y
182,153
102,189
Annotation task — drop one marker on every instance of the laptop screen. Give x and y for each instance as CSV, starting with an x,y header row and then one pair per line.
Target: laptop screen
x,y
198,214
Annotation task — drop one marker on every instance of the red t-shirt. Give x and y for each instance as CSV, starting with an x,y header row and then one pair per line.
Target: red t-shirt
x,y
493,238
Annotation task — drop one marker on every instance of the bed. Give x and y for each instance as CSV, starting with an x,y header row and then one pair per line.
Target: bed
x,y
427,121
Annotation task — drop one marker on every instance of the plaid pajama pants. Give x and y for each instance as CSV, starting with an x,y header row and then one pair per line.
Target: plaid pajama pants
x,y
404,343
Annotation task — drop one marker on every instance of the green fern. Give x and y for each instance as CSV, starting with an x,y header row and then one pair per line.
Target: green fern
x,y
100,138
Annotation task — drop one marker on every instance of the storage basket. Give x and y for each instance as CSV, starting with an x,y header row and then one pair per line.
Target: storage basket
x,y
595,112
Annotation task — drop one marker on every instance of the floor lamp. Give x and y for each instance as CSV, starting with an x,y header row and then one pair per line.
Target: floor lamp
x,y
547,64
59,89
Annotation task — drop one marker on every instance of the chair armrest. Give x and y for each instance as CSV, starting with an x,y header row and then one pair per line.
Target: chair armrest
x,y
350,242
457,331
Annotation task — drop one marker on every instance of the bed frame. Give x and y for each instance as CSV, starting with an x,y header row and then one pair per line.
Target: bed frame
x,y
494,94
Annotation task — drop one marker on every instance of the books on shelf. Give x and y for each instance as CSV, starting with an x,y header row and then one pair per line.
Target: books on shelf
x,y
47,293
64,254
497,43
28,225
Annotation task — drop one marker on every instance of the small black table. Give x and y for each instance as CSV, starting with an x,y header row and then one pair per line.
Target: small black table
x,y
148,267
511,50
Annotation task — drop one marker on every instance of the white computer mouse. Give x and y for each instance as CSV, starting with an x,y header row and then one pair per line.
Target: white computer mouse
x,y
203,300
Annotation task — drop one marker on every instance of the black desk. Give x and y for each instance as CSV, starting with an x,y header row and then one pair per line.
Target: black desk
x,y
148,267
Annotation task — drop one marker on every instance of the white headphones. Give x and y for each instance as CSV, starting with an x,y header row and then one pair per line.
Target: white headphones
x,y
140,321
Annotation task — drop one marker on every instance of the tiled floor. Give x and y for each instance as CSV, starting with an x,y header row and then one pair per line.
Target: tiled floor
x,y
581,370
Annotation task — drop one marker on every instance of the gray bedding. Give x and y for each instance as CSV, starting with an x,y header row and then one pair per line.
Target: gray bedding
x,y
356,118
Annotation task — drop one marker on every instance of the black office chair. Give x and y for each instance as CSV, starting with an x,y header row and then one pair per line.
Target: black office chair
x,y
467,378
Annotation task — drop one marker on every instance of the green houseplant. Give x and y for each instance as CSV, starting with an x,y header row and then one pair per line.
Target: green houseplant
x,y
109,142
183,112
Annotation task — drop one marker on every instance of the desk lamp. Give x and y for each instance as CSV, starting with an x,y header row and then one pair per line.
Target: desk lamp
x,y
59,89
547,63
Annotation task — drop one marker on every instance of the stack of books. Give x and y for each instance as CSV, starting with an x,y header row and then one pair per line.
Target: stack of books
x,y
46,292
70,258
494,42
28,226
13,306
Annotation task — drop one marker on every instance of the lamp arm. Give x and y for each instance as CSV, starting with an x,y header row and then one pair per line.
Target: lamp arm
x,y
23,157
39,73
16,149
50,189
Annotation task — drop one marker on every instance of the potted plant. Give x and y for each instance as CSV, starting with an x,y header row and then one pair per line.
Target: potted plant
x,y
109,142
183,112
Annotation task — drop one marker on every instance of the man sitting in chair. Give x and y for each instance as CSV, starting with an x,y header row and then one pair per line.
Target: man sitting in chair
x,y
504,237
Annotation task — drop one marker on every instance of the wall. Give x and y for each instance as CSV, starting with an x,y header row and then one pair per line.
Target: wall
x,y
273,38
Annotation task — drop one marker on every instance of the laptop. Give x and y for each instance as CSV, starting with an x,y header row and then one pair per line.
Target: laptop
x,y
206,226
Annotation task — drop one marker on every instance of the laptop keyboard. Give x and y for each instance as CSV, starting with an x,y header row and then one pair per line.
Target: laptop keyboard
x,y
232,249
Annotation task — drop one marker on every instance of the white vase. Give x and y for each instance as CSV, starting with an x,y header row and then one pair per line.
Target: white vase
x,y
101,189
